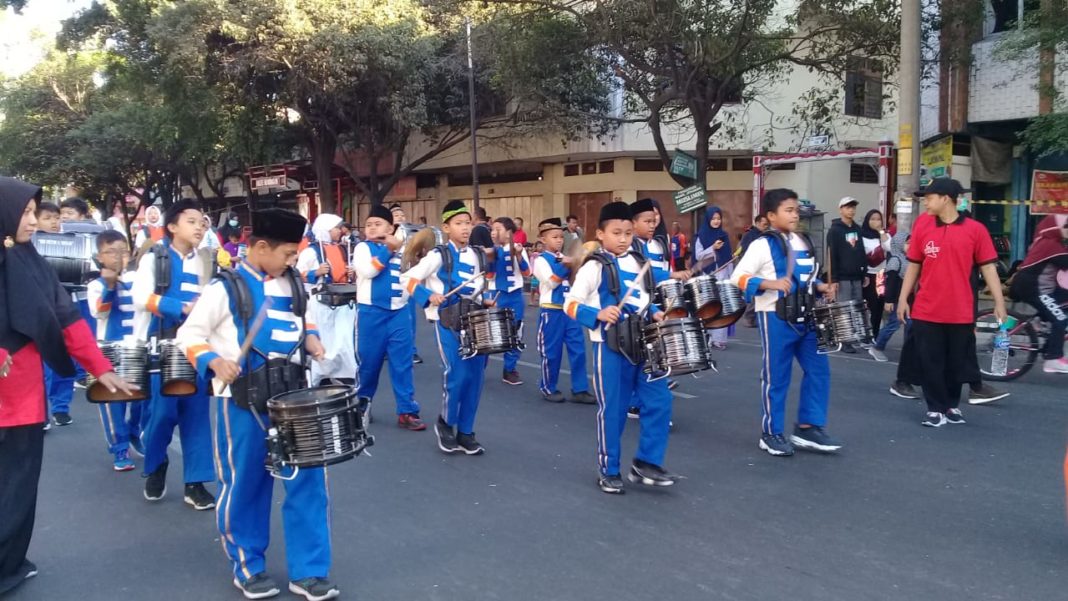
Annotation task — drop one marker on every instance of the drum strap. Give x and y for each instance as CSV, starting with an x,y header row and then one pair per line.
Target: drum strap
x,y
163,268
610,271
446,262
796,307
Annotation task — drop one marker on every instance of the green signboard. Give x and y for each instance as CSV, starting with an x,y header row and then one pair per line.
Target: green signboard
x,y
684,165
689,199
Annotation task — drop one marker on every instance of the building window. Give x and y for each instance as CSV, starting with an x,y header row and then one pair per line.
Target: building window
x,y
783,167
862,173
716,165
742,164
572,169
589,168
606,167
648,165
1004,15
864,88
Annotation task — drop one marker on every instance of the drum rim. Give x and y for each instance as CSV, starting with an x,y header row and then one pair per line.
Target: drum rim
x,y
279,402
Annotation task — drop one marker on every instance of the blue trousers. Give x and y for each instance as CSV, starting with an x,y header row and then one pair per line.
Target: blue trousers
x,y
243,510
462,381
781,344
120,422
615,382
60,390
191,415
515,302
383,332
413,312
555,331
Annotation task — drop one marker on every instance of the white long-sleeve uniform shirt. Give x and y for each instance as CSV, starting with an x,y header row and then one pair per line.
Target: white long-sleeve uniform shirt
x,y
589,294
759,263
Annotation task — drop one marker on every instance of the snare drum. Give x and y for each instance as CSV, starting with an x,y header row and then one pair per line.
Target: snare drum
x,y
676,347
671,298
336,295
130,363
732,305
488,331
317,426
703,297
846,322
178,376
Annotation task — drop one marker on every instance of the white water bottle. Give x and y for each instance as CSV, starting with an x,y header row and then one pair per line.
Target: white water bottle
x,y
999,364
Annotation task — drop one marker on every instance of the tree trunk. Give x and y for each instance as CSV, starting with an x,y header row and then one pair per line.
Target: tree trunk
x,y
324,147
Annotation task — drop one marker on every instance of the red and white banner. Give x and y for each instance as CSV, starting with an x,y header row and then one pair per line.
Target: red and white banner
x,y
1049,192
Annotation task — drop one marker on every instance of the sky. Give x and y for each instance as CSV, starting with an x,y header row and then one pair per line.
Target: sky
x,y
24,38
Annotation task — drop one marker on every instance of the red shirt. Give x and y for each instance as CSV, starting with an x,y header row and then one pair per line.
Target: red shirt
x,y
947,253
520,237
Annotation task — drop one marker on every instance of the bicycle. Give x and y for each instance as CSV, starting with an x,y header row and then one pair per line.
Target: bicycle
x,y
1027,337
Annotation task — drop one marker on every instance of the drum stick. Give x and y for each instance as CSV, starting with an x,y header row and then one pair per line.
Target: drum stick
x,y
634,284
254,330
462,284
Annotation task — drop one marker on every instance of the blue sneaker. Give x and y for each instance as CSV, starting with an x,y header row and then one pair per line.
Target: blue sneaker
x,y
123,463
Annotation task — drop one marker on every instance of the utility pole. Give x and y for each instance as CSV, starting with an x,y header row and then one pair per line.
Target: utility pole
x,y
471,105
908,157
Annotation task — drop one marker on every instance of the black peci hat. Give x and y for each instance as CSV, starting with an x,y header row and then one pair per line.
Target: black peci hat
x,y
614,210
642,205
278,225
382,213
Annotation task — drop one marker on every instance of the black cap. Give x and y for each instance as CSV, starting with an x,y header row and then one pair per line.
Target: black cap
x,y
943,186
643,205
615,210
382,213
279,225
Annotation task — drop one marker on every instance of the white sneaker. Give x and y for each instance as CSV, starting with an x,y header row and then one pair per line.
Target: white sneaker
x,y
1055,366
878,355
935,420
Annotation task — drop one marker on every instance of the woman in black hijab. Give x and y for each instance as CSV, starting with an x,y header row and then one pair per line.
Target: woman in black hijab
x,y
38,323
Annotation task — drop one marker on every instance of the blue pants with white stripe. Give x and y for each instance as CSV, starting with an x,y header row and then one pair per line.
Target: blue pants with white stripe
x,y
781,343
384,332
615,382
555,331
243,509
191,415
514,301
462,386
413,312
119,425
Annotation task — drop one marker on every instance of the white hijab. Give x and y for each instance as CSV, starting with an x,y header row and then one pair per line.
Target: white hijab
x,y
322,226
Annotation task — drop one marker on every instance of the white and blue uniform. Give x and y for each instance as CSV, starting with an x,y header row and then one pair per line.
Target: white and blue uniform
x,y
243,512
462,377
654,253
113,310
616,380
506,278
782,341
384,324
555,329
162,313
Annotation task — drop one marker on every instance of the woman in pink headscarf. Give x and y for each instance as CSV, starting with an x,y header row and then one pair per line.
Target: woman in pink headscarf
x,y
1041,280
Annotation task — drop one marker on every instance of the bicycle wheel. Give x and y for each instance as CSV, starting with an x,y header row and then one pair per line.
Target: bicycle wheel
x,y
1023,345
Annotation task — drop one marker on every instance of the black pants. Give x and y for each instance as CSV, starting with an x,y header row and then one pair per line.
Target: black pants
x,y
875,305
946,353
21,451
908,367
1058,322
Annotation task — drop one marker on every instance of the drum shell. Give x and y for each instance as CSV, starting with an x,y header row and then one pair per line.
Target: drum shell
x,y
846,322
732,305
676,344
702,295
336,295
130,363
488,331
178,377
317,426
671,298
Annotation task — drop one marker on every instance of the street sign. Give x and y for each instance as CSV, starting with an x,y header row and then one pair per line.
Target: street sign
x,y
684,165
688,199
271,181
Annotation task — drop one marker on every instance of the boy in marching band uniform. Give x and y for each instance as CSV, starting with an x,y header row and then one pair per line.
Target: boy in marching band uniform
x,y
510,266
555,329
774,273
213,338
111,304
598,289
384,323
444,268
164,300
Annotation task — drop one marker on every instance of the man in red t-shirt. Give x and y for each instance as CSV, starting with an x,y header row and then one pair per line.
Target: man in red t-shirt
x,y
942,253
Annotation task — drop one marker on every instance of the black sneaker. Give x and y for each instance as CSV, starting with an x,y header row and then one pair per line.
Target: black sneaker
x,y
446,437
634,413
198,496
612,485
849,349
904,390
136,446
776,445
416,359
814,439
469,445
985,394
584,398
314,589
555,397
954,416
156,483
934,419
650,475
260,586
672,384
512,377
62,419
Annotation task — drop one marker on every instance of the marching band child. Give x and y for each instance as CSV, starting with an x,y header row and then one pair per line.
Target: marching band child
x,y
384,322
510,266
775,272
460,269
600,285
164,299
213,338
111,304
555,329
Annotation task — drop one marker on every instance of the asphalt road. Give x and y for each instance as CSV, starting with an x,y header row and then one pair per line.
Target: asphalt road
x,y
904,512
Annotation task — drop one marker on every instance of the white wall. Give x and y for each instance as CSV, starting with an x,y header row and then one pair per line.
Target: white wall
x,y
1000,89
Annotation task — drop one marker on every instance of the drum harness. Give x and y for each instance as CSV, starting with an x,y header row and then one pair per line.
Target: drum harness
x,y
162,270
322,292
796,307
449,315
626,337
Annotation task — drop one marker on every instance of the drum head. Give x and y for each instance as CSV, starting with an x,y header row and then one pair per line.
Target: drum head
x,y
310,397
709,311
676,313
723,320
96,393
179,388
